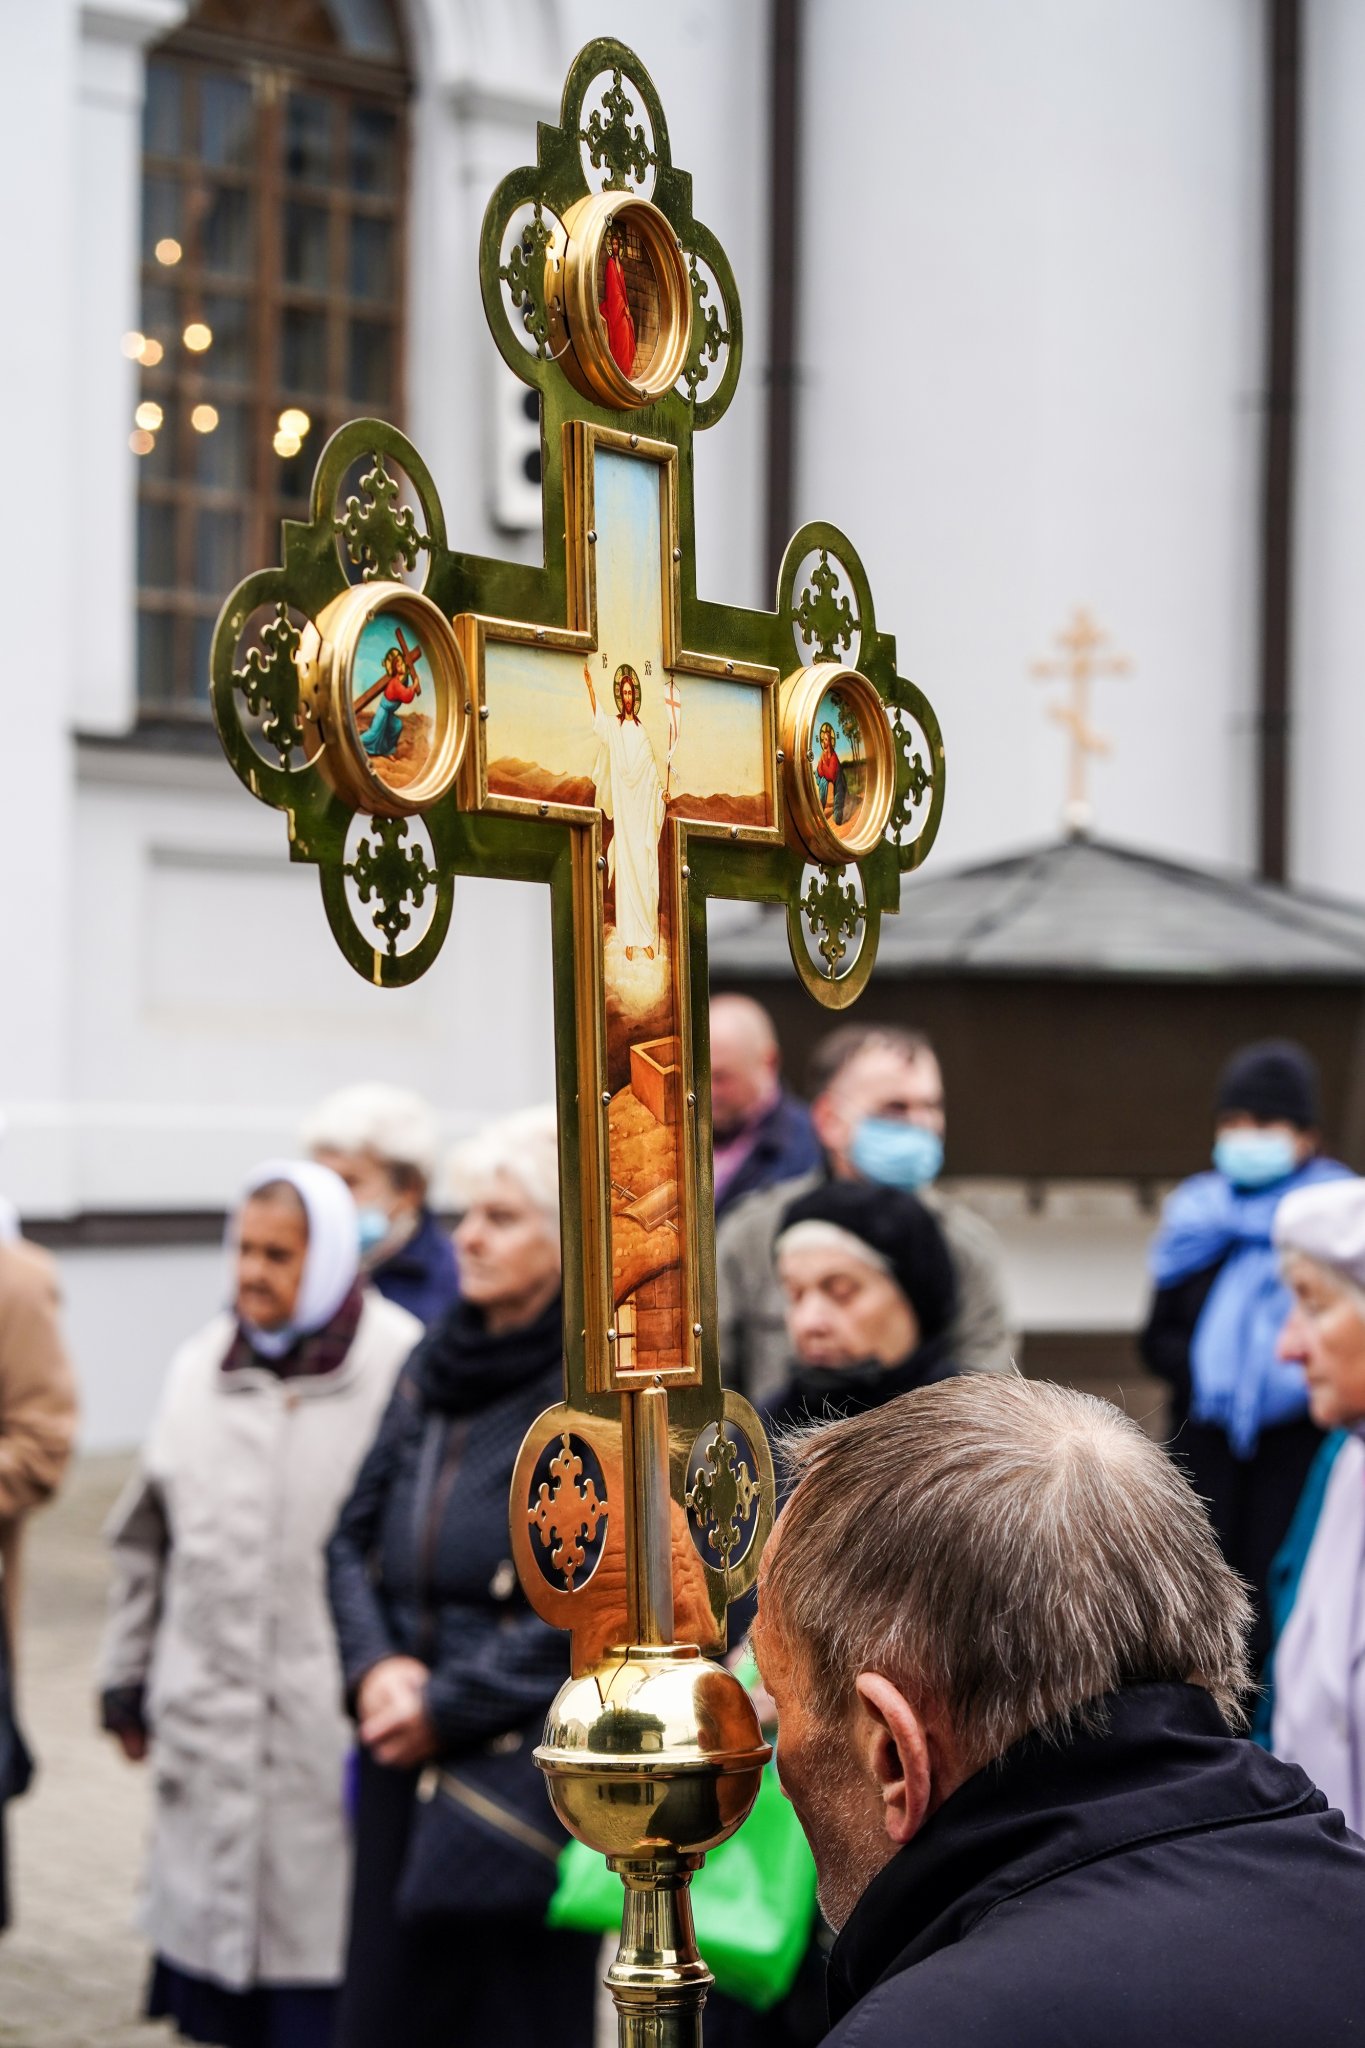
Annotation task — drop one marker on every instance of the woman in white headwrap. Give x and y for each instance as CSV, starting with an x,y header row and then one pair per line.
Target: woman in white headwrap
x,y
1314,1713
219,1662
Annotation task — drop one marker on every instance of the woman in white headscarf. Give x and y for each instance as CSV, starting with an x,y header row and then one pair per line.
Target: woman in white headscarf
x,y
219,1663
1314,1708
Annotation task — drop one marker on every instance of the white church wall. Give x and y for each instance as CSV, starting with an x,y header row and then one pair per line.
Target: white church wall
x,y
106,253
38,512
1030,342
1328,729
126,1311
212,1006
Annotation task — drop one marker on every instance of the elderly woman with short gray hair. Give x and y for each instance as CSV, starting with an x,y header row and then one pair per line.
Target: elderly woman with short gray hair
x,y
1314,1711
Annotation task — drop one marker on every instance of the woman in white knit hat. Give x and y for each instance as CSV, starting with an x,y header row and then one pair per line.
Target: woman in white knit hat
x,y
1314,1713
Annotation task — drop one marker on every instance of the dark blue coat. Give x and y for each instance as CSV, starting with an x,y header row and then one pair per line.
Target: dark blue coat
x,y
421,1275
1161,1886
786,1147
419,1564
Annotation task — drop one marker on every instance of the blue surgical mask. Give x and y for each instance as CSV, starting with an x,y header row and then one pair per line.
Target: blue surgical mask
x,y
374,1225
896,1155
1254,1159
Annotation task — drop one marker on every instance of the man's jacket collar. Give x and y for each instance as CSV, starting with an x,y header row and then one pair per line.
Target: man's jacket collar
x,y
1166,1766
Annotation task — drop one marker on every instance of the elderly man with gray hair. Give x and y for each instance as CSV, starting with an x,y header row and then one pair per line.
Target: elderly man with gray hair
x,y
1009,1664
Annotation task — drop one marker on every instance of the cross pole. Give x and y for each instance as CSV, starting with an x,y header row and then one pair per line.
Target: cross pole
x,y
1080,662
639,1504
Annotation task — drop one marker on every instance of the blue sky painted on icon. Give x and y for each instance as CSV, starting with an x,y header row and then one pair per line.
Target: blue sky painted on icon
x,y
538,702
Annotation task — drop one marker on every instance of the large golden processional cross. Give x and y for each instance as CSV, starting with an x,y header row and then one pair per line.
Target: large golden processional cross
x,y
592,724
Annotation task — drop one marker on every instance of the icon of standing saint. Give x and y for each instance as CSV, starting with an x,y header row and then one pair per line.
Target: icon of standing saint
x,y
615,310
830,775
630,792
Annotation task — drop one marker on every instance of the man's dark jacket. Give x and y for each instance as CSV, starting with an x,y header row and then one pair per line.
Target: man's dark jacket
x,y
785,1146
1159,1886
421,1275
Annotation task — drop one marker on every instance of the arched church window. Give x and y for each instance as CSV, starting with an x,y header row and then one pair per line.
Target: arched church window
x,y
274,176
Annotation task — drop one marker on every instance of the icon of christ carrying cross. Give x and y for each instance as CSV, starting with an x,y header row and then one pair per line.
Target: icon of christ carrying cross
x,y
397,686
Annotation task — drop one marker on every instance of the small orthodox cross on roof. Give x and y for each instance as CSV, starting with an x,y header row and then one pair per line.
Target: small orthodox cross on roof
x,y
1080,661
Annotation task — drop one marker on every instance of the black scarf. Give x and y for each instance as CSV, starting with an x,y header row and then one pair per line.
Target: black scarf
x,y
462,1367
827,1393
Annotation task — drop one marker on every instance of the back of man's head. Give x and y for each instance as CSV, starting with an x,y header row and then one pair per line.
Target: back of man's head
x,y
744,1062
1005,1552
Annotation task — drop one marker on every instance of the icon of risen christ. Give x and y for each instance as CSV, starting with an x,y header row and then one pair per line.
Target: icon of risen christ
x,y
626,778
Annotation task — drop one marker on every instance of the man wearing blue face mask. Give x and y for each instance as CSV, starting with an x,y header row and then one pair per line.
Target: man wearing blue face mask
x,y
878,1112
1241,1414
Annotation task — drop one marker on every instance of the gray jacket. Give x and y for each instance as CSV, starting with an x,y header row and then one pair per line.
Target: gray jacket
x,y
754,1351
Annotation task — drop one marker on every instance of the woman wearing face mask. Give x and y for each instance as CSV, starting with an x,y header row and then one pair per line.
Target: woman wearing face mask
x,y
219,1663
382,1142
448,1671
1241,1414
1313,1705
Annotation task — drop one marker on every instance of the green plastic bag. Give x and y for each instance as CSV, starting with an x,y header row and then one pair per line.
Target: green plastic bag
x,y
753,1900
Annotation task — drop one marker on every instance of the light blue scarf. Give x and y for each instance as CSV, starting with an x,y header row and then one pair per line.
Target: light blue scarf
x,y
1238,1383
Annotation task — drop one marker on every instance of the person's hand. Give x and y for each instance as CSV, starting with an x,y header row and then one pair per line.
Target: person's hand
x,y
389,1683
765,1706
400,1735
133,1743
394,1723
760,1698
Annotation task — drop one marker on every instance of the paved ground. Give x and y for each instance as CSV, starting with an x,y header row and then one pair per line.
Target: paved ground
x,y
72,1968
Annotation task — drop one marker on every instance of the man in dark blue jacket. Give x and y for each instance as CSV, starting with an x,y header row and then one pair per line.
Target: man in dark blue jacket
x,y
762,1133
1009,1661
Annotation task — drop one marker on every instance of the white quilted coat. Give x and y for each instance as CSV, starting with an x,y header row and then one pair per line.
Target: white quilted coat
x,y
219,1607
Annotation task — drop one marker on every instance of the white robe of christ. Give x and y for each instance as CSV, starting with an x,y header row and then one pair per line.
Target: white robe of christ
x,y
631,794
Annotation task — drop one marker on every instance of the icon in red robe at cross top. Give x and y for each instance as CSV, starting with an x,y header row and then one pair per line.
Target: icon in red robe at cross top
x,y
615,310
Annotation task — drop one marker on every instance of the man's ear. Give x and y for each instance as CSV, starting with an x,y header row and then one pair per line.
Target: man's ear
x,y
894,1748
831,1126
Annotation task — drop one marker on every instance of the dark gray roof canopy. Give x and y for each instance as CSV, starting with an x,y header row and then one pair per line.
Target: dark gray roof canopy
x,y
1080,907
